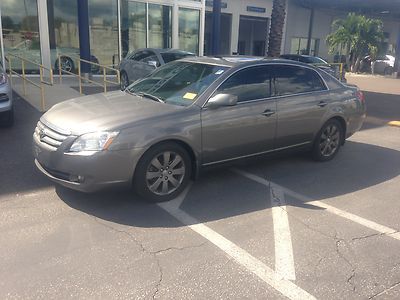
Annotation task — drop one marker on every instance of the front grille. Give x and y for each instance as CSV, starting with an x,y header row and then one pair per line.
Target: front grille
x,y
3,97
53,139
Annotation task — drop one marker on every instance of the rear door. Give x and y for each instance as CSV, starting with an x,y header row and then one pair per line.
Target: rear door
x,y
246,128
302,101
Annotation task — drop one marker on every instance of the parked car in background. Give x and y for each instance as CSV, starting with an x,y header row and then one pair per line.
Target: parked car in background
x,y
196,112
6,103
30,50
319,62
142,62
383,65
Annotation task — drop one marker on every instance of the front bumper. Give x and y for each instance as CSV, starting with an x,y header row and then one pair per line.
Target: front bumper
x,y
86,173
5,98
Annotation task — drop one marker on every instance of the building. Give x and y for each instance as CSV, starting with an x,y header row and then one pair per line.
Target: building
x,y
42,29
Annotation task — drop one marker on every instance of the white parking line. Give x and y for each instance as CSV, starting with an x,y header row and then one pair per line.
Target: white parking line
x,y
284,262
242,257
384,230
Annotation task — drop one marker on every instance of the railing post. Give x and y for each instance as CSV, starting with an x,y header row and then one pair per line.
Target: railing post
x,y
23,76
59,68
104,80
42,104
79,76
118,77
10,67
51,77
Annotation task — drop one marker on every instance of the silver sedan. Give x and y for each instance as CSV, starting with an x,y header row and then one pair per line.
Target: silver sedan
x,y
6,103
192,113
142,62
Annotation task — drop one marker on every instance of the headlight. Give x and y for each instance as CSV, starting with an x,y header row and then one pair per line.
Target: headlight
x,y
96,141
3,78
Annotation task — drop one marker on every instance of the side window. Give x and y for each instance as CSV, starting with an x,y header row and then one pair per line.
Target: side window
x,y
295,80
248,84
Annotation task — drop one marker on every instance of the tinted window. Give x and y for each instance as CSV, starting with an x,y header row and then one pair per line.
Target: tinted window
x,y
171,56
332,82
295,80
249,84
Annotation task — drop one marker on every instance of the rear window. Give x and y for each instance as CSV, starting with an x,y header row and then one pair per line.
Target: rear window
x,y
291,80
171,56
331,81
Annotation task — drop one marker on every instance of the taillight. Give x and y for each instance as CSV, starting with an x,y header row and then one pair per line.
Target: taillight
x,y
360,96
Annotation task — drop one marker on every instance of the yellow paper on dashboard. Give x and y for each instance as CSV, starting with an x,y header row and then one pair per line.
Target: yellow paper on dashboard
x,y
189,96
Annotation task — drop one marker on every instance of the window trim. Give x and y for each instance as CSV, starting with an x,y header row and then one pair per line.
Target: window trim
x,y
272,97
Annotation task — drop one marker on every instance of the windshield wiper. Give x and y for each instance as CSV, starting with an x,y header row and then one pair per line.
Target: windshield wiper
x,y
150,96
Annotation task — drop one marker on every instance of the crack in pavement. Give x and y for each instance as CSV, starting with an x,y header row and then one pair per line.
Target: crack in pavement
x,y
338,240
385,290
374,235
154,254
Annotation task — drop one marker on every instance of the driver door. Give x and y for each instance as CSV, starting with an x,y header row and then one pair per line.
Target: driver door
x,y
244,129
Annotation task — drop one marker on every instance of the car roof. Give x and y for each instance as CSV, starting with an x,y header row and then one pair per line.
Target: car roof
x,y
239,60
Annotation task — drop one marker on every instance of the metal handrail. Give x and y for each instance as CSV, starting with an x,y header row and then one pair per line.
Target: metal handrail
x,y
25,79
81,78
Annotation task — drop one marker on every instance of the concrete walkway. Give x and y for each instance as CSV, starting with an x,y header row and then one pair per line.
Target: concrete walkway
x,y
56,93
375,83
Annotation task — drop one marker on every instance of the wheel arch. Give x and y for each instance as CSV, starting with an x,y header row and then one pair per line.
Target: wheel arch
x,y
189,149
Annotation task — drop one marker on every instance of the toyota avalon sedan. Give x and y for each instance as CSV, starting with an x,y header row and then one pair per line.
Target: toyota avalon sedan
x,y
192,113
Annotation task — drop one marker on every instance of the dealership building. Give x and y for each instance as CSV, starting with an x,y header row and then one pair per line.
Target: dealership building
x,y
42,29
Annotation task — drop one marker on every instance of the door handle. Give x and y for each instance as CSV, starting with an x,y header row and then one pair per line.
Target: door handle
x,y
268,113
322,104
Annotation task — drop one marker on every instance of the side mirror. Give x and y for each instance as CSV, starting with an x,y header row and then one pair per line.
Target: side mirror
x,y
152,63
222,100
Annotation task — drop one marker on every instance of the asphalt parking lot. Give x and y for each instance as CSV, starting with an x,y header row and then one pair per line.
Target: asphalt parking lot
x,y
267,228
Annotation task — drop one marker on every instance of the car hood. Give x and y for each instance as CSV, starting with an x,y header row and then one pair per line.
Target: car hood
x,y
106,111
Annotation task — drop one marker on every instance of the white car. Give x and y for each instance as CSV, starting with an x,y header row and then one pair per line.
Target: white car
x,y
383,64
6,103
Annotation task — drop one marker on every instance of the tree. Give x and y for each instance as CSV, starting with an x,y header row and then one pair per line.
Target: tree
x,y
276,32
359,35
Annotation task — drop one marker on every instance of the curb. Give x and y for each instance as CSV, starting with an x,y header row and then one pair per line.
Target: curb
x,y
394,123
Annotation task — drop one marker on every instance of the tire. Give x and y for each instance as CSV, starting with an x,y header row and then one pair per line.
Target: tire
x,y
7,118
124,81
67,64
154,179
388,71
328,141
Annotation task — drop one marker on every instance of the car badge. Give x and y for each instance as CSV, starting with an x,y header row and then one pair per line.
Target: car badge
x,y
42,134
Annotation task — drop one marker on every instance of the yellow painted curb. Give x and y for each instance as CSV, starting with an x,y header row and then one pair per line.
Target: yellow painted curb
x,y
394,123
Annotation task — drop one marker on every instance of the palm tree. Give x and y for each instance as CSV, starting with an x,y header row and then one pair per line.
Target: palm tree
x,y
359,35
276,32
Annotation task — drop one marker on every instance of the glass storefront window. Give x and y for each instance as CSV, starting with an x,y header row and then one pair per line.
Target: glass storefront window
x,y
21,31
189,29
160,26
133,26
103,22
63,33
299,46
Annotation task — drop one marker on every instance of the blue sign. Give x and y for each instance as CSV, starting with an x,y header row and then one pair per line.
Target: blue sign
x,y
210,4
256,9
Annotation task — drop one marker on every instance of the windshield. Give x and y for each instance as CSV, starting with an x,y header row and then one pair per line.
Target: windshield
x,y
178,83
171,56
315,60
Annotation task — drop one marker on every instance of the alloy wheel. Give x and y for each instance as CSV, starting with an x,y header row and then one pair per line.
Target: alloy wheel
x,y
329,141
66,64
165,173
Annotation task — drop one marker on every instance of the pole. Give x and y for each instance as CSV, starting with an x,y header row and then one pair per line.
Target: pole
x,y
310,26
216,27
3,62
84,35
